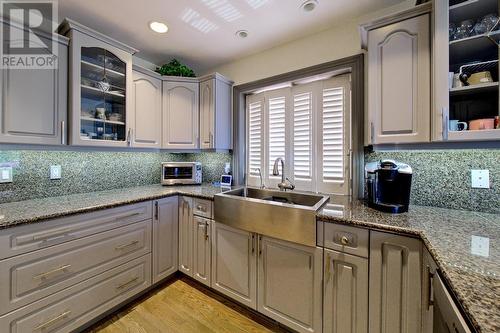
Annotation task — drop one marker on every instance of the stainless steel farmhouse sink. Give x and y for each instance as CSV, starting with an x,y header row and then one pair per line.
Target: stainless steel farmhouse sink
x,y
288,216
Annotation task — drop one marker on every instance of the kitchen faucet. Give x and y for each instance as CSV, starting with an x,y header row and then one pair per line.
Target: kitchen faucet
x,y
285,182
260,175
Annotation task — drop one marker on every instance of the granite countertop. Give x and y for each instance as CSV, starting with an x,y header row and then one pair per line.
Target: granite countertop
x,y
447,234
36,210
475,280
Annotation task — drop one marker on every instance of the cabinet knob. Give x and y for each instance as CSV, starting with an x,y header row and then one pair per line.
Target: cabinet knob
x,y
344,240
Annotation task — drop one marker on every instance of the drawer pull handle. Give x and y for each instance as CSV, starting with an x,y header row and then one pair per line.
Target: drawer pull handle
x,y
128,283
55,270
124,246
52,321
201,208
344,240
48,235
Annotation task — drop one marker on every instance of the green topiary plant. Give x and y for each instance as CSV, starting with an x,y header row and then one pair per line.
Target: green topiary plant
x,y
175,68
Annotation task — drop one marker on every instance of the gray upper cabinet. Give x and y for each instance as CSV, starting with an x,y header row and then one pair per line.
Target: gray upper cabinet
x,y
215,112
345,298
100,84
399,72
145,120
34,101
395,283
289,284
165,238
180,113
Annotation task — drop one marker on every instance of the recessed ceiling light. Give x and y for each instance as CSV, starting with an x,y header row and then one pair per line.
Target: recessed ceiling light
x,y
242,33
309,5
158,27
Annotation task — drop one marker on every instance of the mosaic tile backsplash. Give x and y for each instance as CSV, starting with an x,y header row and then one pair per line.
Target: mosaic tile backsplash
x,y
442,177
90,171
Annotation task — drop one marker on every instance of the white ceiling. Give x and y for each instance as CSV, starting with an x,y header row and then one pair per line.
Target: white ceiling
x,y
269,23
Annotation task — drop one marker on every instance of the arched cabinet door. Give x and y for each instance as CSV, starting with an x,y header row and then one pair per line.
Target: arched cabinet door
x,y
399,82
180,114
100,88
146,107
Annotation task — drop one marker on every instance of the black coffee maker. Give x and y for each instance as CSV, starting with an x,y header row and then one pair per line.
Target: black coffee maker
x,y
388,184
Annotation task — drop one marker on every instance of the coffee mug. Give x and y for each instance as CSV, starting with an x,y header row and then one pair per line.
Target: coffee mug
x,y
482,124
456,125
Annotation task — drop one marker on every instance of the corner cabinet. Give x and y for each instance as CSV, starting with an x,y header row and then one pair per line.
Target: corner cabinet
x,y
395,285
399,78
100,85
180,113
34,102
215,112
145,122
165,238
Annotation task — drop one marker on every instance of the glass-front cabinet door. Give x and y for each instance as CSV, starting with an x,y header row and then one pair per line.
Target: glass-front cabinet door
x,y
100,85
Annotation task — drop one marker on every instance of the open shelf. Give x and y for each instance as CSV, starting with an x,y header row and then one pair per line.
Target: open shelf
x,y
482,87
479,8
475,48
474,135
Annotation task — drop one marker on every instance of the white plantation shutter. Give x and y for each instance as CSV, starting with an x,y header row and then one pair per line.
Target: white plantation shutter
x,y
309,126
333,134
302,141
276,137
255,138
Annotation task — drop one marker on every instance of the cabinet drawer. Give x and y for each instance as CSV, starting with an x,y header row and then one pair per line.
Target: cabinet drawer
x,y
29,277
203,208
31,237
73,307
346,239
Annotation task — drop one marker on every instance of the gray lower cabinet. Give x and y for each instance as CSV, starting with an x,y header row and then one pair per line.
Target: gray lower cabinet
x,y
33,105
186,235
71,308
202,250
395,285
234,264
165,238
345,293
289,283
145,121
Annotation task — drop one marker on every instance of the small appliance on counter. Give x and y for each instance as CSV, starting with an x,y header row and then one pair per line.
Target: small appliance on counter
x,y
388,184
181,173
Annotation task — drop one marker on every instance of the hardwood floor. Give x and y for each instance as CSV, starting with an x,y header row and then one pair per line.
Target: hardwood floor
x,y
182,306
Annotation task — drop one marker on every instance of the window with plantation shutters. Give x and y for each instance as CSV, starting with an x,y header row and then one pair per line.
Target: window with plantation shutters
x,y
308,125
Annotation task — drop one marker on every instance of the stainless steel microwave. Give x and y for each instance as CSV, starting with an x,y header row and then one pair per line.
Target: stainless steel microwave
x,y
175,173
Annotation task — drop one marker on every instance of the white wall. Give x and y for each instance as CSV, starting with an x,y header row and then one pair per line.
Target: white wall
x,y
338,42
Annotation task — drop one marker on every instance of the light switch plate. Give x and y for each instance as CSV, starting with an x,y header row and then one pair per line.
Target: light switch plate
x,y
480,178
55,172
480,246
6,175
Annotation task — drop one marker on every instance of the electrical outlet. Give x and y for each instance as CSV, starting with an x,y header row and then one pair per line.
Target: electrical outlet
x,y
480,178
6,174
55,172
480,246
